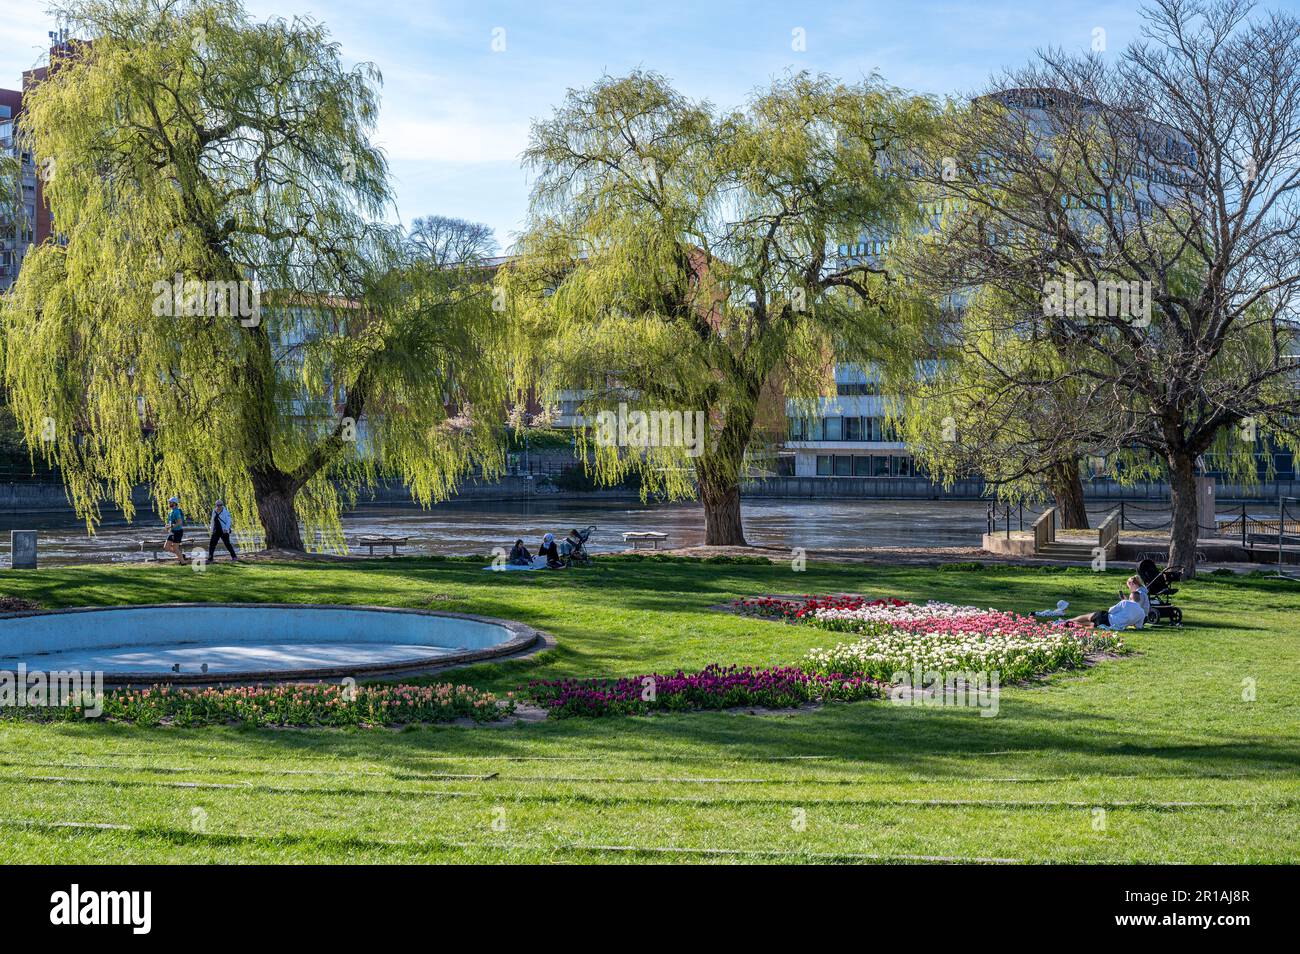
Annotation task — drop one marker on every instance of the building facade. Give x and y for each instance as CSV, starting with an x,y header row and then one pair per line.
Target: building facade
x,y
849,435
18,217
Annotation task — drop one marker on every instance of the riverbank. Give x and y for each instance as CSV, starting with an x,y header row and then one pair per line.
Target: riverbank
x,y
903,531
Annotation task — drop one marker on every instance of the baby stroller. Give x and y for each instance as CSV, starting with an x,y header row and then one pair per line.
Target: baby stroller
x,y
575,553
1159,584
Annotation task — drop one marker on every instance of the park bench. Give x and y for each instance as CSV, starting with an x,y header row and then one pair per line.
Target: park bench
x,y
155,547
650,538
373,542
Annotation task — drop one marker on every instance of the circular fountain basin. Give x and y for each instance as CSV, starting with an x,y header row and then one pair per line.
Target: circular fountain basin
x,y
241,642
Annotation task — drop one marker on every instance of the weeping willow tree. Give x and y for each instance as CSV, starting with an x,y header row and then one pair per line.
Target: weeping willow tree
x,y
678,273
223,313
998,401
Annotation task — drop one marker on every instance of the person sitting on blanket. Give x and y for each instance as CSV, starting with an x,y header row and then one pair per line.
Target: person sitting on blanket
x,y
519,555
551,552
1131,610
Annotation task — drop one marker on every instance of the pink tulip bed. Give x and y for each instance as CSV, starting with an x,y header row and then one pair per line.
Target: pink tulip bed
x,y
891,635
322,704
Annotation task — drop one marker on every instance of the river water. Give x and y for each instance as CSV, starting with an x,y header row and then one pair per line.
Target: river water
x,y
462,528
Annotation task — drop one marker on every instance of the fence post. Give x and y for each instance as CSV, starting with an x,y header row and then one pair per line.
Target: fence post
x,y
1243,525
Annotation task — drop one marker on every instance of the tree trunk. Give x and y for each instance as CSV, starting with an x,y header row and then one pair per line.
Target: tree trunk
x,y
1185,529
722,523
718,473
275,494
1067,488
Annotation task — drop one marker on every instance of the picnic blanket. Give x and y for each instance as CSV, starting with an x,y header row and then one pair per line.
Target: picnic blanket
x,y
537,564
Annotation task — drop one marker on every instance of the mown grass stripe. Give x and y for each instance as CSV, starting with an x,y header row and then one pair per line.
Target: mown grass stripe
x,y
404,775
495,794
227,770
176,835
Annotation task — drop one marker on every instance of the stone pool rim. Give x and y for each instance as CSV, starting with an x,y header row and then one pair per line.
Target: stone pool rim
x,y
522,638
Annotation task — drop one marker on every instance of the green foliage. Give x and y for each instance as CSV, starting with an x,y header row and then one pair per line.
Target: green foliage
x,y
680,259
188,141
538,438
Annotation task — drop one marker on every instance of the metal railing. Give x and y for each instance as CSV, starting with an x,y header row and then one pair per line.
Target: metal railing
x,y
1007,514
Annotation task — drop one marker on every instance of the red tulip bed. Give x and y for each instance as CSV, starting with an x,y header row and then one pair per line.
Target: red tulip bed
x,y
803,608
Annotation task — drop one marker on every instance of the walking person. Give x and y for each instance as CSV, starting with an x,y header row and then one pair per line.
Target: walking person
x,y
221,531
175,530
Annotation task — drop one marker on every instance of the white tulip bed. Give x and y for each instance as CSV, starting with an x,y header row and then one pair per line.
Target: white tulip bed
x,y
946,638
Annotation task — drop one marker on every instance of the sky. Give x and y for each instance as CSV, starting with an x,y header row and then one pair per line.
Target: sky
x,y
462,81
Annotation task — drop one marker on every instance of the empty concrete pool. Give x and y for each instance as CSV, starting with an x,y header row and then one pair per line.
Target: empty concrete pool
x,y
229,642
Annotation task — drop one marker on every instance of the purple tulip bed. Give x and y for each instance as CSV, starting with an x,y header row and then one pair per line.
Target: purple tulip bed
x,y
713,687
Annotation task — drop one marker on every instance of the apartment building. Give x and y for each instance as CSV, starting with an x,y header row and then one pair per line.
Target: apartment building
x,y
27,221
848,435
18,218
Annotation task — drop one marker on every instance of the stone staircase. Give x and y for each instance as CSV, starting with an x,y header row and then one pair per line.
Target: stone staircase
x,y
1048,547
1066,550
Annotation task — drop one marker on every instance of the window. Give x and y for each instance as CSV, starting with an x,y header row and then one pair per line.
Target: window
x,y
853,428
880,467
902,466
832,428
843,466
848,388
823,465
862,467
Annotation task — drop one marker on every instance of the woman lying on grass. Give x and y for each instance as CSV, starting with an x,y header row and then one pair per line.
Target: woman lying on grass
x,y
1131,610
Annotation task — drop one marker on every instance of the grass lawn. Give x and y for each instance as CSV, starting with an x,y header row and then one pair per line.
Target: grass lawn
x,y
1153,757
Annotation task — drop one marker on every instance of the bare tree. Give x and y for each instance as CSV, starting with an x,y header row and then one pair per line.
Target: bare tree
x,y
1138,216
448,242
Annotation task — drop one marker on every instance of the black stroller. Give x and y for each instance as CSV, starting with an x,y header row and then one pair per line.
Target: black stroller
x,y
574,553
1159,584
